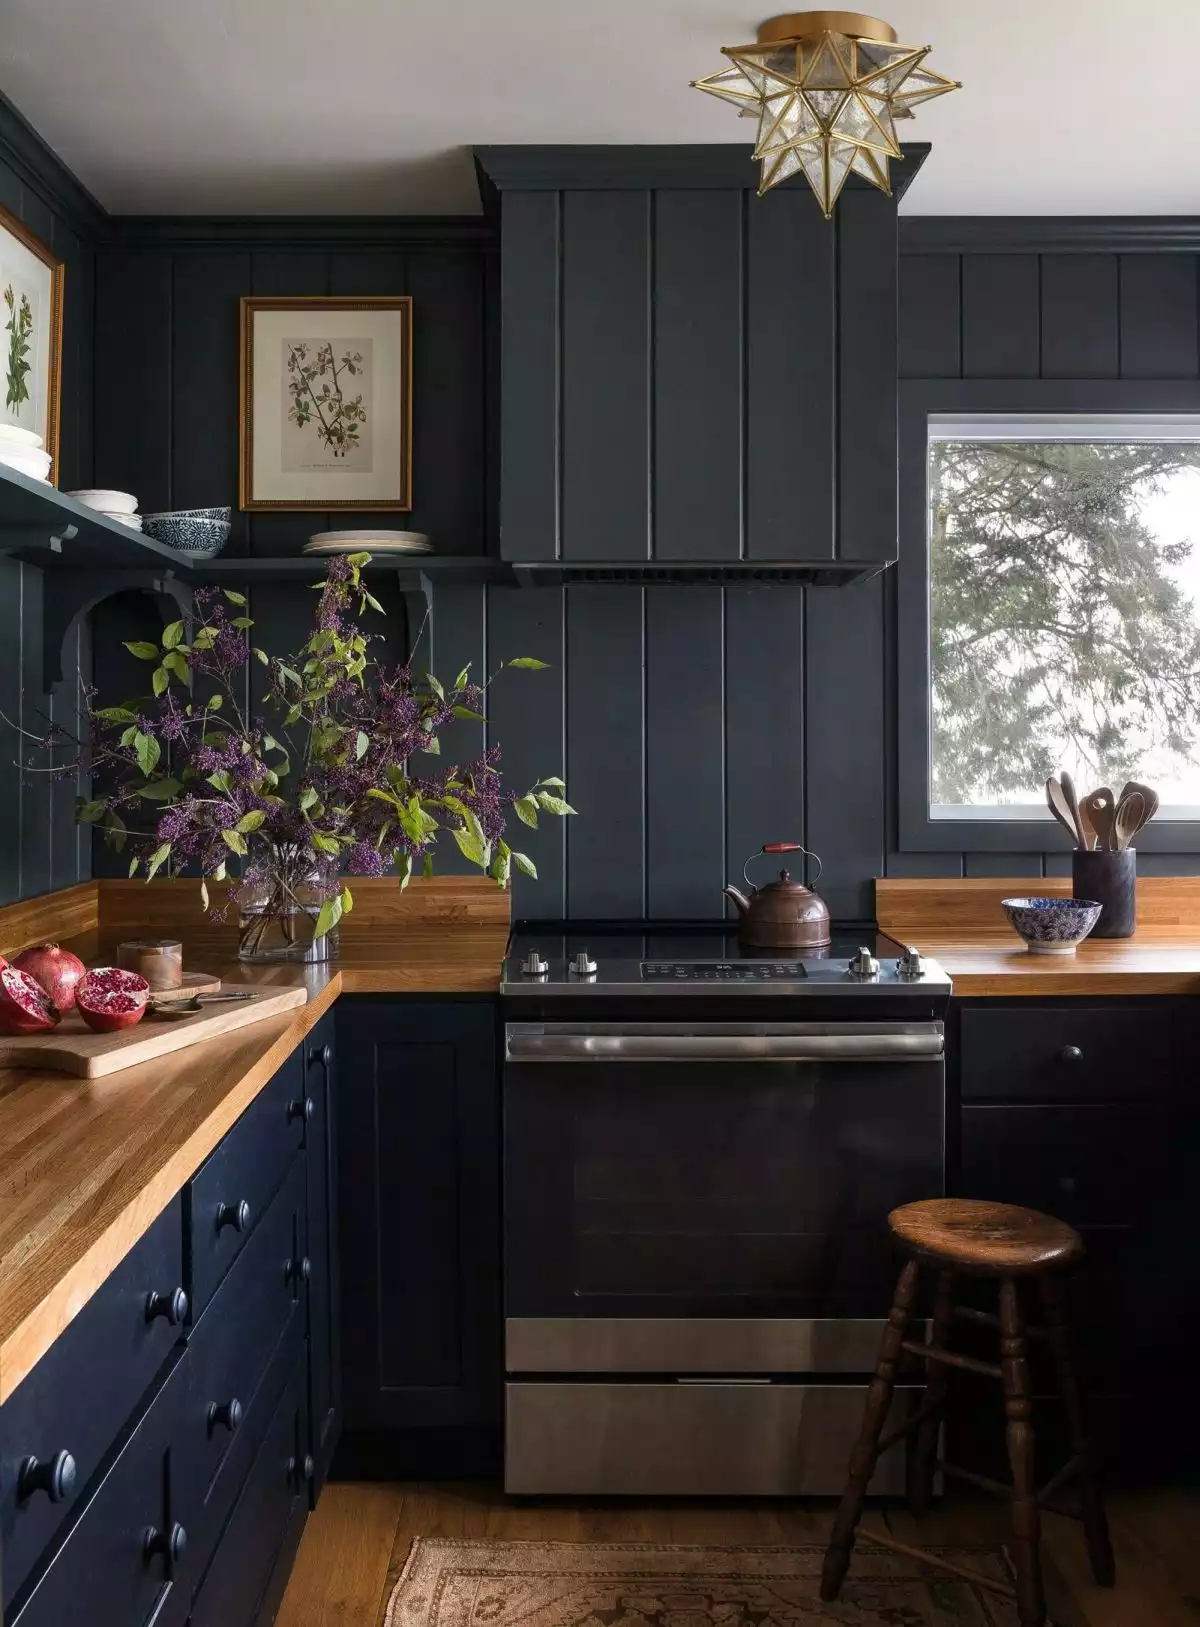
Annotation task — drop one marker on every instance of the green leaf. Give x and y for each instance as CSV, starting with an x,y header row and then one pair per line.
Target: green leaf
x,y
524,865
347,900
115,830
159,680
203,895
159,790
261,655
214,702
133,864
172,635
501,867
552,804
219,873
157,859
526,809
530,661
471,847
308,797
324,843
250,821
359,559
143,651
331,914
406,867
220,780
87,813
461,681
468,715
373,602
234,598
116,714
175,661
552,784
432,745
128,735
435,686
292,674
148,752
242,622
427,866
235,841
362,744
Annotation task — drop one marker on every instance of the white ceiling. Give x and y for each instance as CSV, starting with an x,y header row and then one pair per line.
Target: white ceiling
x,y
371,106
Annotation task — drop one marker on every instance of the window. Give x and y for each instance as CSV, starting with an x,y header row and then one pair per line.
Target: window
x,y
1064,609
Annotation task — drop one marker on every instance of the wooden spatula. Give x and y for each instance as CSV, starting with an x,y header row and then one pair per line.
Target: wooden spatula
x,y
1101,809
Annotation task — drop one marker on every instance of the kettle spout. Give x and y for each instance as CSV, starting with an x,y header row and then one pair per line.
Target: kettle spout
x,y
739,898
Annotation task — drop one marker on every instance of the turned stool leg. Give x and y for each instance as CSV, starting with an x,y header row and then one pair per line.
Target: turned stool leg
x,y
924,1451
1095,1522
866,1451
1018,1410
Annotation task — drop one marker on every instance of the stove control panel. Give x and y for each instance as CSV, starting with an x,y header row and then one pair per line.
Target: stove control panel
x,y
722,971
864,964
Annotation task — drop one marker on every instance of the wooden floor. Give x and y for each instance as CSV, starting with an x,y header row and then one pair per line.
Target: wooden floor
x,y
357,1541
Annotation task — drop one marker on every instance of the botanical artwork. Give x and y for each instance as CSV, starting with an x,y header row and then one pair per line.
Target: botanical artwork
x,y
31,288
326,403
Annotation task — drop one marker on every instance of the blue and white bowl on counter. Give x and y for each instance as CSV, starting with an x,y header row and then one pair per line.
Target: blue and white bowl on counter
x,y
1051,926
200,532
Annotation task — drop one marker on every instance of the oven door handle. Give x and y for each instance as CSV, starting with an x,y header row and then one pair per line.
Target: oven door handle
x,y
908,1043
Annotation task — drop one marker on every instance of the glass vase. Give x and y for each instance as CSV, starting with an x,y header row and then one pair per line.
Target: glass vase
x,y
279,899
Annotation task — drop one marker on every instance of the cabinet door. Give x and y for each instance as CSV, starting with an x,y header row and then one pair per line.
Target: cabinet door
x,y
324,1292
418,1128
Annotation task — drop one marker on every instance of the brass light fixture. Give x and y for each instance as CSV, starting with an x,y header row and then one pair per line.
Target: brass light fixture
x,y
826,88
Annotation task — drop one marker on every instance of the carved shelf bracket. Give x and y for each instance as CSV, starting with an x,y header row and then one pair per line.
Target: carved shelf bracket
x,y
70,595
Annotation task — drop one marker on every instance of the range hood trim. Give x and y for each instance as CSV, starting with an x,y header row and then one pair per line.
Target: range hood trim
x,y
714,573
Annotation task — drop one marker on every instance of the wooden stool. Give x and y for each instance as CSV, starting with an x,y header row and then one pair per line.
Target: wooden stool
x,y
954,1236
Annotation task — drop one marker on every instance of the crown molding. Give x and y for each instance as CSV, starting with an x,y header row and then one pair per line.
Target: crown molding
x,y
1049,234
204,233
40,169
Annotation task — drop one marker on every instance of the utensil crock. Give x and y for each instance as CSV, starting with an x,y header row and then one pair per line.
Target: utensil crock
x,y
1111,879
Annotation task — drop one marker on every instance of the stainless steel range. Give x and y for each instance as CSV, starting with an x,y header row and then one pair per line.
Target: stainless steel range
x,y
701,1149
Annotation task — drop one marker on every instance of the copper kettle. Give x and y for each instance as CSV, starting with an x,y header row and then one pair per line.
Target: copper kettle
x,y
784,914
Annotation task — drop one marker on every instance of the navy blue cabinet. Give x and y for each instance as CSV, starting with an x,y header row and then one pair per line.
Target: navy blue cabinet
x,y
418,1125
324,1287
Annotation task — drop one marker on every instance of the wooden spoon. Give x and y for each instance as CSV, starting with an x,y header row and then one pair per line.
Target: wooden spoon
x,y
1083,830
1148,796
1057,802
1131,816
1101,809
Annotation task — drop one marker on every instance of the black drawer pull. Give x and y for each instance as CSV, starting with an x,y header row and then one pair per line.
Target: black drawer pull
x,y
301,1109
1071,1053
324,1056
56,1477
236,1215
297,1271
226,1415
302,1468
170,1544
173,1307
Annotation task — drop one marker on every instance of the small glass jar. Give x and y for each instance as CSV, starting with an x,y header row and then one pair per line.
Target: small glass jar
x,y
279,900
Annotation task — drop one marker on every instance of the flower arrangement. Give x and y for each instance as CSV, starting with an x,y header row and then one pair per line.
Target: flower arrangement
x,y
343,780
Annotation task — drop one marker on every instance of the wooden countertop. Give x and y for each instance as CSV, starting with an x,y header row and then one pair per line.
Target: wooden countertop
x,y
960,923
87,1165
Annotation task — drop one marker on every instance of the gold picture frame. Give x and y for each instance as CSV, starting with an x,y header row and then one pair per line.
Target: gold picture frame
x,y
305,441
47,406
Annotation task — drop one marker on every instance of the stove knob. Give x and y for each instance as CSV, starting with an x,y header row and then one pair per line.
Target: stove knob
x,y
582,965
910,963
534,966
864,964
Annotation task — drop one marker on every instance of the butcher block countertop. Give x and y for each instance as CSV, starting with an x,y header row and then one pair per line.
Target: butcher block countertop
x,y
87,1165
961,924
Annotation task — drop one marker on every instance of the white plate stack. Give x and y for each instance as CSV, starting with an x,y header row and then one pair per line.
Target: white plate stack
x,y
373,541
21,449
114,505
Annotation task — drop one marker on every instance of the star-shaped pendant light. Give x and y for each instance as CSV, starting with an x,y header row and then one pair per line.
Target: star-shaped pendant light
x,y
826,88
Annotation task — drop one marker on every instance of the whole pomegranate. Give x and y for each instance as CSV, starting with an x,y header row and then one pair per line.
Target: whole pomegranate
x,y
25,1007
108,998
57,970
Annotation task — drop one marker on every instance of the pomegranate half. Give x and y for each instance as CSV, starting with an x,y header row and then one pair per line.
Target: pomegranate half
x,y
56,970
25,1007
108,998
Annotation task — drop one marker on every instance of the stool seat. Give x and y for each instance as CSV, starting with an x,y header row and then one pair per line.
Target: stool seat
x,y
989,1239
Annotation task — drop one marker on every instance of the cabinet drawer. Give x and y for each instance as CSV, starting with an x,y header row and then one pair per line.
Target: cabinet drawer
x,y
115,1568
1054,1053
266,1522
258,1311
83,1391
230,1192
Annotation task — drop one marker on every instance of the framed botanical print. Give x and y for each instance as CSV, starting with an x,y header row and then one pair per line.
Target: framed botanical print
x,y
326,403
31,314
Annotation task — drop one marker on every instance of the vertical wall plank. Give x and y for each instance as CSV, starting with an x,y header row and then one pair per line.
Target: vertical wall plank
x,y
11,744
448,452
697,368
605,764
455,637
790,271
35,717
526,719
764,723
368,271
1001,323
844,713
1079,316
530,379
605,375
78,335
867,351
133,375
1002,864
204,383
685,752
1158,316
930,316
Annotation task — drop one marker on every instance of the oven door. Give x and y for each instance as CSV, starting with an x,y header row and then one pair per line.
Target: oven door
x,y
711,1197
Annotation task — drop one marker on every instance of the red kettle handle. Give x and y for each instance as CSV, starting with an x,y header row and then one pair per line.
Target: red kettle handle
x,y
782,847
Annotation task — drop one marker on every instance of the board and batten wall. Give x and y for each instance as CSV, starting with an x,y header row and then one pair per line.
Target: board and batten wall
x,y
40,845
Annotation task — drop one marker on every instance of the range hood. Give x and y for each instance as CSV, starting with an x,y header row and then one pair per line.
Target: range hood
x,y
696,384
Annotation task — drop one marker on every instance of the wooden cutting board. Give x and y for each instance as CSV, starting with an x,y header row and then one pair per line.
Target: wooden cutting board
x,y
193,983
73,1048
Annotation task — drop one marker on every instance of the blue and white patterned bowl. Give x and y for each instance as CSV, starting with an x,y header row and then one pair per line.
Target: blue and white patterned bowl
x,y
187,533
224,512
1052,926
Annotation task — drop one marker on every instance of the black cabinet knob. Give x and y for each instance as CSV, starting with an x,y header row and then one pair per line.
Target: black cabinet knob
x,y
225,1415
301,1468
324,1056
1072,1053
55,1476
297,1271
172,1307
301,1109
170,1544
236,1215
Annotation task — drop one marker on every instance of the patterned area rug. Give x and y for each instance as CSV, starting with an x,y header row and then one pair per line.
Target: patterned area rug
x,y
589,1584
